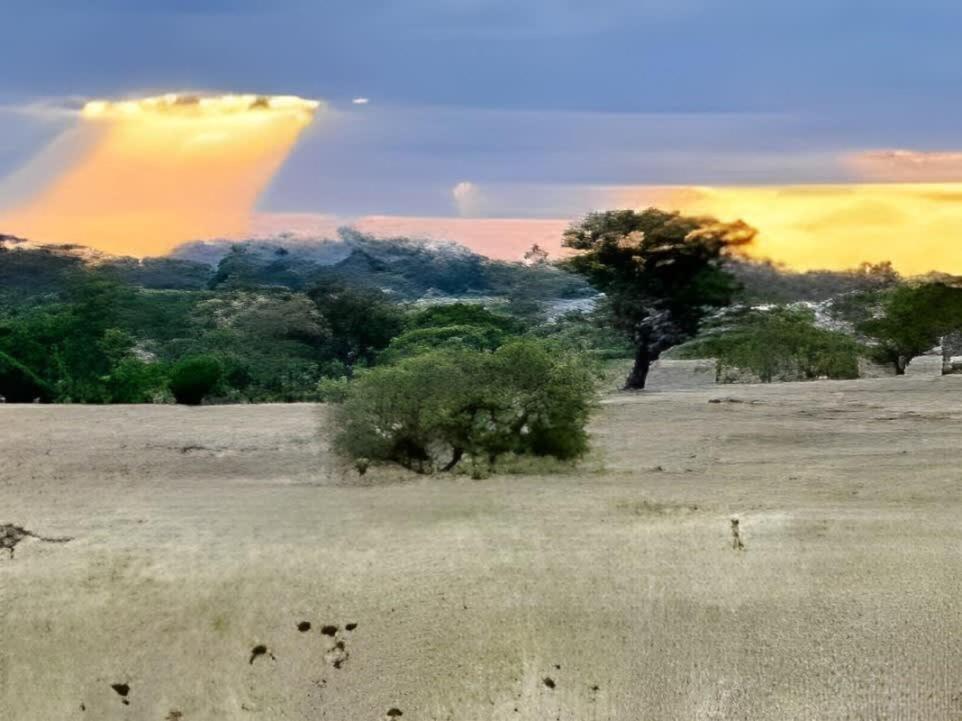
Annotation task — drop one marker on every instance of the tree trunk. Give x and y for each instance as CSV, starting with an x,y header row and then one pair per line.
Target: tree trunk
x,y
639,372
456,457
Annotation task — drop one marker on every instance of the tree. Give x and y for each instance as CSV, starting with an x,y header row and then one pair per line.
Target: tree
x,y
661,273
781,343
194,378
913,319
422,340
362,321
429,411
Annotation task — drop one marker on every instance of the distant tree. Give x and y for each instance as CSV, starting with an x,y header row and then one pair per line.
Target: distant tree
x,y
776,344
362,321
535,255
912,320
661,272
194,378
423,340
439,316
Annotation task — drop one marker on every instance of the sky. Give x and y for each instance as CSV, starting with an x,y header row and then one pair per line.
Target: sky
x,y
491,110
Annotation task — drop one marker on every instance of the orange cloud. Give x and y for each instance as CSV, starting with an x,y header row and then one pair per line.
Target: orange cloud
x,y
163,170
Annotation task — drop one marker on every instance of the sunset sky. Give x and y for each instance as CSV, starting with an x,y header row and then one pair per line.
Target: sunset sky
x,y
832,125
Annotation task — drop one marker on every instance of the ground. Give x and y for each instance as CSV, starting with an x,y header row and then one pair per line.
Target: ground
x,y
218,555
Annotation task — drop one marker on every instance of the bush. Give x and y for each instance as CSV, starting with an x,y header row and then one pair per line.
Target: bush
x,y
19,384
194,378
781,344
423,340
430,411
333,390
134,381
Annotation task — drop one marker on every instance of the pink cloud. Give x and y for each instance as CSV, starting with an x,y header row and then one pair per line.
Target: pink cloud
x,y
499,238
906,166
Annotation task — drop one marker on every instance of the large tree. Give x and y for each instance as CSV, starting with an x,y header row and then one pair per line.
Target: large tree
x,y
661,273
912,319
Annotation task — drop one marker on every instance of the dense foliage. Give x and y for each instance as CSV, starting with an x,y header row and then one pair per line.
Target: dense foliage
x,y
912,319
283,323
194,378
430,411
300,320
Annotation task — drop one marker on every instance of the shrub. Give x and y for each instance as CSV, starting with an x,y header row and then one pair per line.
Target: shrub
x,y
194,378
430,411
333,390
134,381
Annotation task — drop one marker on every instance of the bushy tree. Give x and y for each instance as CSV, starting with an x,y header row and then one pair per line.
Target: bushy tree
x,y
429,411
423,340
912,319
194,378
661,273
781,343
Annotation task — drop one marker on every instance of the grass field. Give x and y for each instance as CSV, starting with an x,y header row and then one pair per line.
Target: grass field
x,y
205,540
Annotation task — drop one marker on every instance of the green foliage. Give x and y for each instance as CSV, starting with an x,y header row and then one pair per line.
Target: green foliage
x,y
134,381
429,411
661,273
19,384
333,389
34,273
463,314
912,319
71,346
194,378
781,344
423,340
362,321
466,326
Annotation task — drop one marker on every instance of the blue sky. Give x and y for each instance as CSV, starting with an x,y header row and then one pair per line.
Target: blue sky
x,y
544,96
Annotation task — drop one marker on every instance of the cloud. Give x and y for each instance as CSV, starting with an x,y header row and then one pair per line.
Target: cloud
x,y
467,198
906,165
913,225
361,101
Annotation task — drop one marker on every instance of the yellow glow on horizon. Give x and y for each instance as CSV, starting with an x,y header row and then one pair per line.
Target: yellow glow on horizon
x,y
917,226
164,170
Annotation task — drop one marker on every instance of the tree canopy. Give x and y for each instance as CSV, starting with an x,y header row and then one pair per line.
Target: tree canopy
x,y
661,272
913,319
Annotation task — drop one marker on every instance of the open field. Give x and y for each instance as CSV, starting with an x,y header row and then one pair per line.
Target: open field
x,y
203,537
